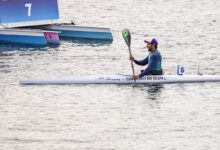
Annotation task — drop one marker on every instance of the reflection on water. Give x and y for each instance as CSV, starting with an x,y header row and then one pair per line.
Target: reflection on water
x,y
88,42
150,92
154,91
21,47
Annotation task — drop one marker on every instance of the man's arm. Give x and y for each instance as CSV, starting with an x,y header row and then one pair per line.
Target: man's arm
x,y
141,62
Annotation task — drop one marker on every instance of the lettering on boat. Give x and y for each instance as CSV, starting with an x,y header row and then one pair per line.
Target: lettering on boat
x,y
129,78
148,78
159,78
115,79
107,78
100,78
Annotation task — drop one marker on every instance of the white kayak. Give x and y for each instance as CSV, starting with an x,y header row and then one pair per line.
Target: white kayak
x,y
123,79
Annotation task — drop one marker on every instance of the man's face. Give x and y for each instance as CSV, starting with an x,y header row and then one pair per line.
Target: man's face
x,y
149,46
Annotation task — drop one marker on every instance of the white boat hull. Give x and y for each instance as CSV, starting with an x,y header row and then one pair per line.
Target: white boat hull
x,y
123,79
76,31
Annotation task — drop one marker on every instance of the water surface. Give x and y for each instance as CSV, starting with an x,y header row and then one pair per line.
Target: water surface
x,y
169,116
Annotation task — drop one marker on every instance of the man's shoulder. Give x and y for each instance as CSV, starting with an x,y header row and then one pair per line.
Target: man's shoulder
x,y
156,54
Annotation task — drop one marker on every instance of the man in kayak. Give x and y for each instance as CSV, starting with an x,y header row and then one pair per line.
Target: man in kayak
x,y
153,60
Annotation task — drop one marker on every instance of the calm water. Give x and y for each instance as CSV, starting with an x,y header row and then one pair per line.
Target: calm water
x,y
171,116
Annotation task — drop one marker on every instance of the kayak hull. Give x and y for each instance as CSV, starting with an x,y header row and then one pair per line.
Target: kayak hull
x,y
123,79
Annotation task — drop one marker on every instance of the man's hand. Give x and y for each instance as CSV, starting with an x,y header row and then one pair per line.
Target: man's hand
x,y
131,58
135,77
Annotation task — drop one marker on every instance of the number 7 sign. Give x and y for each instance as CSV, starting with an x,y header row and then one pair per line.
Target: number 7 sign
x,y
18,13
28,5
